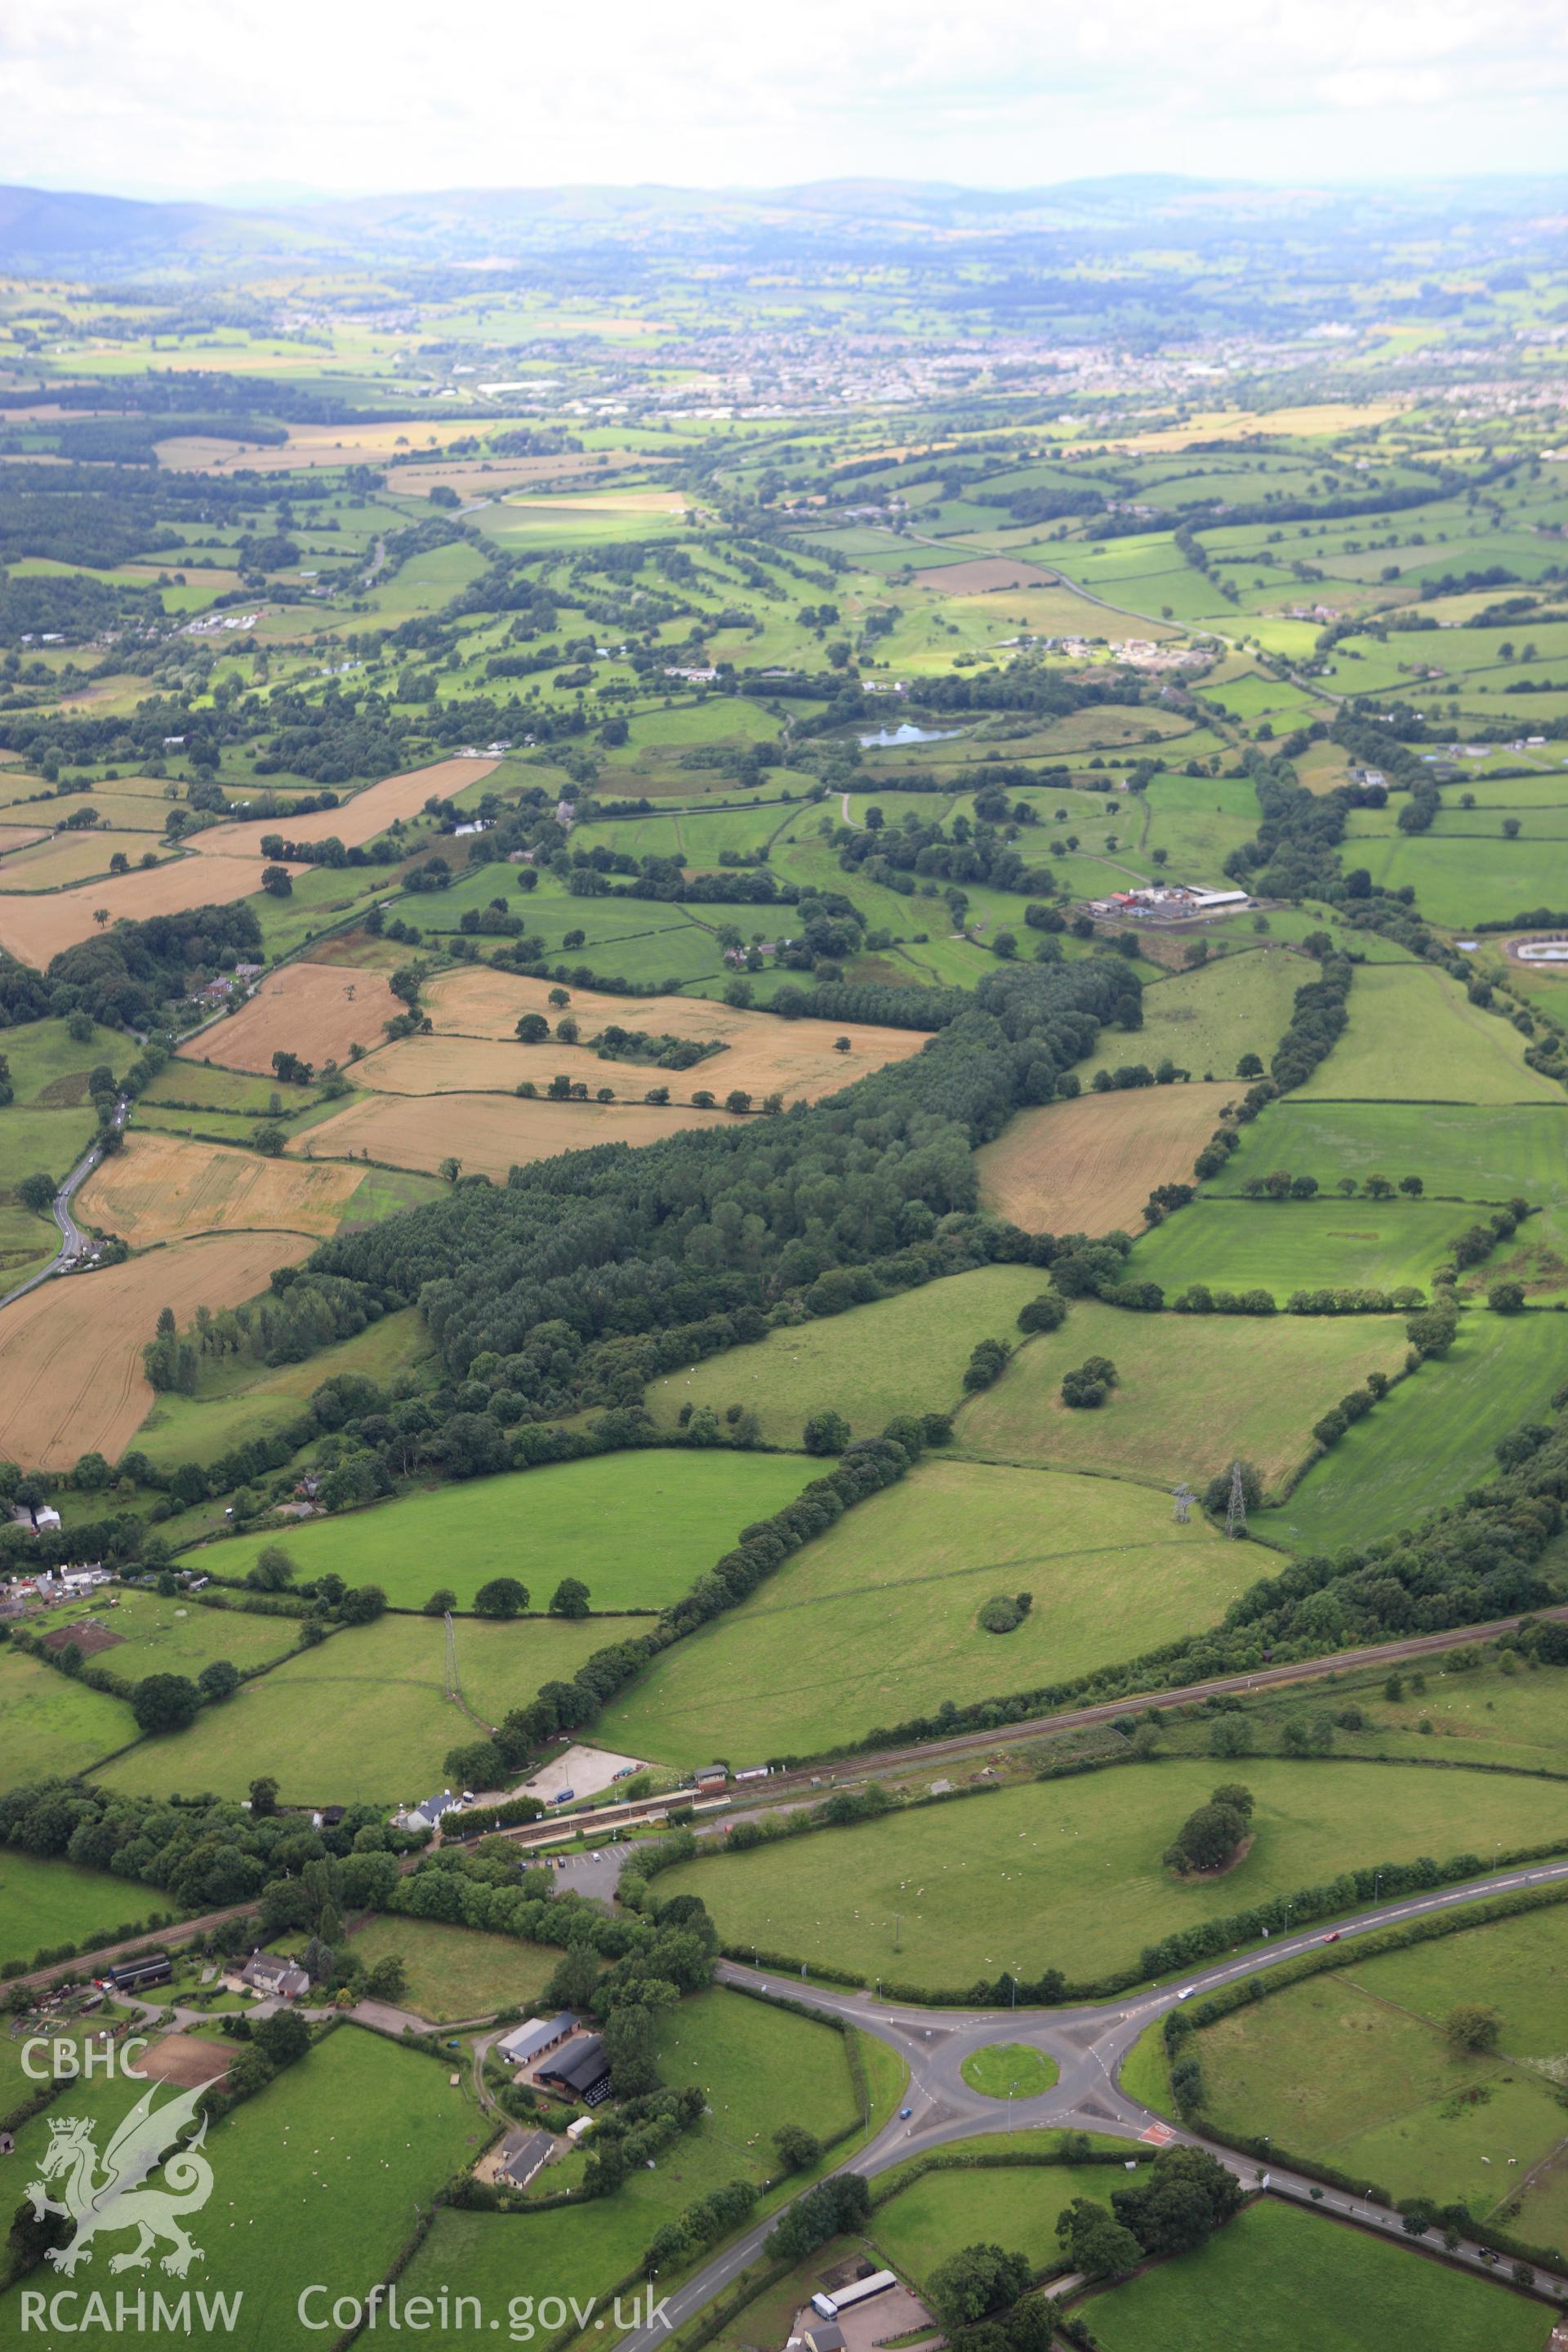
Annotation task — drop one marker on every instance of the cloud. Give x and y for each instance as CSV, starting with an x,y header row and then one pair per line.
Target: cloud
x,y
344,97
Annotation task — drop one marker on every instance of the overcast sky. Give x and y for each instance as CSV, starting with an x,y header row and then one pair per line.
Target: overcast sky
x,y
171,96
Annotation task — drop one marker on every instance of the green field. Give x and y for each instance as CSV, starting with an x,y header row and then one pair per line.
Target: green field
x,y
876,1620
1414,1036
1205,1020
904,1354
1458,1150
1069,1874
337,2126
1192,1391
1431,1437
51,1724
45,1903
455,1972
1354,2069
1199,820
1286,1246
761,2067
241,1401
1014,2206
179,1636
1461,881
50,1070
1280,2280
570,1518
364,1719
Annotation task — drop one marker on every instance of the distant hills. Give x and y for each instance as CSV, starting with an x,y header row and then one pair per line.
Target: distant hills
x,y
46,232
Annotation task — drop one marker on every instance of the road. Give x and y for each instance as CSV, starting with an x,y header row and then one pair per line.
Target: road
x,y
72,1241
1088,2045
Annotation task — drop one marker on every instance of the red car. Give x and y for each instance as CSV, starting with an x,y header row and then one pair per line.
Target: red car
x,y
1333,1939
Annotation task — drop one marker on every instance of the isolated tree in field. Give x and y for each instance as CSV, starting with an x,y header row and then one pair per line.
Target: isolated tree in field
x,y
165,1703
36,1192
1088,1386
569,1598
1473,2027
986,1364
504,1596
1506,1298
826,1433
1249,1066
100,916
276,881
272,1570
975,2282
533,1029
1208,1838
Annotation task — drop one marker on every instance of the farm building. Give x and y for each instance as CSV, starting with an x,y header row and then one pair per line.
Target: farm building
x,y
523,2155
271,1975
582,2071
528,2042
1168,902
427,1812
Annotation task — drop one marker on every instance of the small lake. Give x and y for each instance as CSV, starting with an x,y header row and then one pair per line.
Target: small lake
x,y
887,737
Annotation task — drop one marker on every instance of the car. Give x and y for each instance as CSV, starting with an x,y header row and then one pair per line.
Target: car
x,y
1333,1939
904,2113
1186,1992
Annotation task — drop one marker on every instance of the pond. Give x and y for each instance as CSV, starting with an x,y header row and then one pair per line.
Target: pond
x,y
905,733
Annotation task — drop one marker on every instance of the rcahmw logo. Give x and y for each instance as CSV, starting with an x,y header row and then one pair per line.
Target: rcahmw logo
x,y
109,2195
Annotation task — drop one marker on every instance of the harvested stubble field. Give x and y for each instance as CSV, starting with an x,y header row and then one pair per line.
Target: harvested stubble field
x,y
308,447
487,1133
162,1188
1090,1165
315,1010
357,819
36,927
70,1352
904,1354
765,1055
1191,1394
878,1619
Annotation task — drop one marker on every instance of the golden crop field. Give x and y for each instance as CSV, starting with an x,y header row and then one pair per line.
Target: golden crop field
x,y
355,820
66,857
315,1010
162,1188
482,477
70,1352
308,447
986,572
776,1061
766,1055
35,927
20,836
1088,1166
487,1133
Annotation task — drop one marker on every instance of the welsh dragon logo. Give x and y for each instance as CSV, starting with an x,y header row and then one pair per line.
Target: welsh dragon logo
x,y
109,2194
